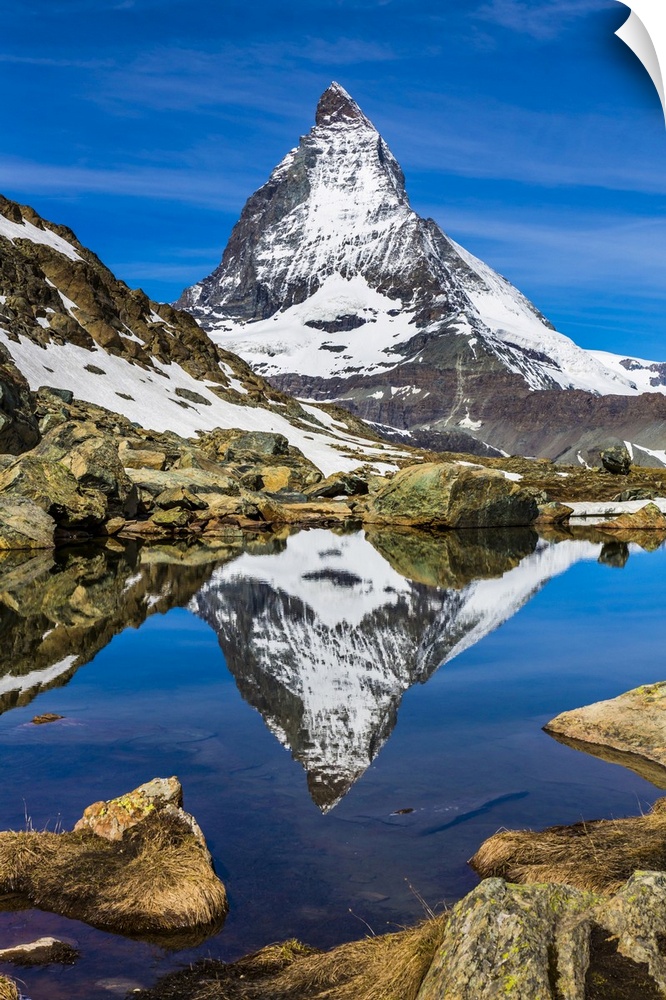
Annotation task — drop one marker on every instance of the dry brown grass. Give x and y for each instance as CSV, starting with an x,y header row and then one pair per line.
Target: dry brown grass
x,y
599,856
8,989
158,879
386,967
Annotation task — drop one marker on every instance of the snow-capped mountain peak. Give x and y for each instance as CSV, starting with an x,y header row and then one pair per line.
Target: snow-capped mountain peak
x,y
334,288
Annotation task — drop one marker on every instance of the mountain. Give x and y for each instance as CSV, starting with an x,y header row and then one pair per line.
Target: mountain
x,y
334,288
68,323
324,638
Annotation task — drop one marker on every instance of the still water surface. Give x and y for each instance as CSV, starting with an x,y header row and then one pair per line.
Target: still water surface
x,y
305,690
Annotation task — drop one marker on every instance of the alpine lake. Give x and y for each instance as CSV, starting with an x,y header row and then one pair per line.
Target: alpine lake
x,y
350,714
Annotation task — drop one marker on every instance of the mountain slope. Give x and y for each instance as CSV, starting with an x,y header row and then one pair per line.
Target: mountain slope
x,y
333,288
67,322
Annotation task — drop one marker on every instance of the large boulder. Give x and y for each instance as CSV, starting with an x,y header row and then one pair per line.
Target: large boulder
x,y
508,941
616,460
450,495
258,443
92,457
340,484
631,727
24,524
55,489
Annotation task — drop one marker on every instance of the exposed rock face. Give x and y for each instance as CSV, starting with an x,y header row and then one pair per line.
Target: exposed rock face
x,y
24,524
333,288
452,496
633,724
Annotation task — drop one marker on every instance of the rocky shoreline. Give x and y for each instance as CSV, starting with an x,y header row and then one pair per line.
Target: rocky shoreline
x,y
94,473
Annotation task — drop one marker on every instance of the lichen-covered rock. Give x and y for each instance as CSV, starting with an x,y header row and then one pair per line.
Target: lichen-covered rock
x,y
55,489
92,457
197,481
24,524
452,496
181,497
112,818
616,460
258,443
519,942
553,512
648,518
340,484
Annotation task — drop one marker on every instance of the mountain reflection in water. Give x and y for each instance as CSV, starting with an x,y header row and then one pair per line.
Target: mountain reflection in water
x,y
322,631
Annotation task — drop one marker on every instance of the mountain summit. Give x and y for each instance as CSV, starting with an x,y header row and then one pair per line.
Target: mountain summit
x,y
334,288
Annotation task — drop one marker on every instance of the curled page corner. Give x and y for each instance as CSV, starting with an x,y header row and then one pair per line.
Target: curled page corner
x,y
645,34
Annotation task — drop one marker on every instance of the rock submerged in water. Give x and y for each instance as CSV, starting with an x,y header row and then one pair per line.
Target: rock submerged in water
x,y
451,495
134,865
45,951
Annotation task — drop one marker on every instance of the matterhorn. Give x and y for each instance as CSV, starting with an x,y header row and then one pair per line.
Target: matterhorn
x,y
334,289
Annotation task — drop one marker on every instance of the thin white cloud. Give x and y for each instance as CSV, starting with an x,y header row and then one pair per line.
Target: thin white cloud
x,y
542,20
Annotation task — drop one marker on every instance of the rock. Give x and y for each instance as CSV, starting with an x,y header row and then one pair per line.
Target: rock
x,y
179,496
451,496
616,460
114,525
553,513
146,458
24,524
44,951
512,941
42,720
92,457
134,865
192,397
637,493
596,855
648,518
174,518
204,484
634,724
112,818
347,484
258,443
55,489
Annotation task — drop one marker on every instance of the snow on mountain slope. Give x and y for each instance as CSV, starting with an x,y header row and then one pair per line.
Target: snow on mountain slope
x,y
325,638
330,274
648,376
67,322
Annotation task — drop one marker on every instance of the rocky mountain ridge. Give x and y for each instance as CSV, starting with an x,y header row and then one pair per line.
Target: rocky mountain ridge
x,y
66,322
333,288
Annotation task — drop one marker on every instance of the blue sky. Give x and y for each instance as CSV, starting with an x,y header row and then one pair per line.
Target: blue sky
x,y
524,127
